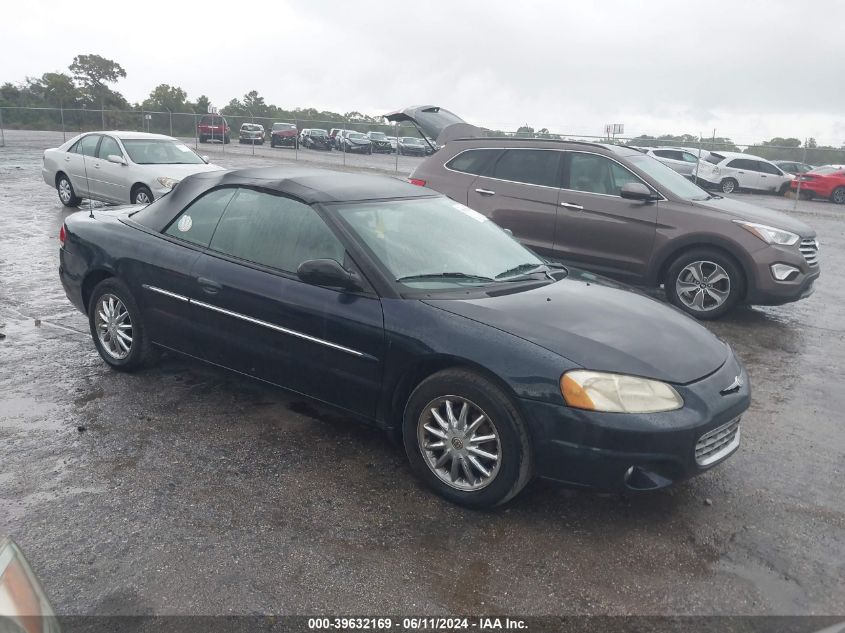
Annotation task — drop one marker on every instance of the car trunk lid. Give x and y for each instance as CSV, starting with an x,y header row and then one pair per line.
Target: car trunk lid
x,y
435,122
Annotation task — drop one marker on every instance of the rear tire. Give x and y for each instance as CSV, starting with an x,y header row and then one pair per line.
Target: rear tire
x,y
117,329
729,185
838,195
466,471
67,196
705,283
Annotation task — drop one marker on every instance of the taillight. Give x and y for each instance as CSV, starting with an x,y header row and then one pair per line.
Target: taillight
x,y
62,235
417,181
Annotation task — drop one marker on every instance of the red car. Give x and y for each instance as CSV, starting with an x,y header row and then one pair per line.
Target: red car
x,y
213,127
284,135
823,182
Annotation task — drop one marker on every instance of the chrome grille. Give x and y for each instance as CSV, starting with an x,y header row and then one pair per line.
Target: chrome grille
x,y
718,443
810,250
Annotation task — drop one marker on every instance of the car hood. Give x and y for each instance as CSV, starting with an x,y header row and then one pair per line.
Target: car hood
x,y
436,122
753,213
601,325
358,141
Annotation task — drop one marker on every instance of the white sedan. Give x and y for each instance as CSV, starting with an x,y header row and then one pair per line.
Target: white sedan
x,y
119,167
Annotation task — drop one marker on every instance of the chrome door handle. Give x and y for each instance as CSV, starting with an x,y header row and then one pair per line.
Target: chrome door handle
x,y
209,286
485,192
569,205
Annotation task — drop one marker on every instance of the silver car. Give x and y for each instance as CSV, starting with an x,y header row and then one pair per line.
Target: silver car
x,y
119,167
678,158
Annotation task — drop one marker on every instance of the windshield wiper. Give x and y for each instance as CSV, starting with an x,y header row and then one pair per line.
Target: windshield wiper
x,y
456,275
523,271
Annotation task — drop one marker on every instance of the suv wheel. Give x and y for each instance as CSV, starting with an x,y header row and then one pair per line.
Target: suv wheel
x,y
466,440
704,283
838,195
728,185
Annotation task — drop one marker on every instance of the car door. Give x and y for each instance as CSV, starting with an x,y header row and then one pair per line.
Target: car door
x,y
167,283
746,173
110,181
80,163
521,194
596,227
771,177
257,317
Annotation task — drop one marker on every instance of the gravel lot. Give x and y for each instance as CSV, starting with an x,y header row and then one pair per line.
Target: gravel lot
x,y
193,491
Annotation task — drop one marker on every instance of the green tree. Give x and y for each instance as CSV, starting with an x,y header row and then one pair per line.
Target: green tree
x,y
59,89
201,106
165,97
93,73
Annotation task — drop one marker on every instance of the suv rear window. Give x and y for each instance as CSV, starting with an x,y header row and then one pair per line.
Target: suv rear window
x,y
474,161
531,166
715,158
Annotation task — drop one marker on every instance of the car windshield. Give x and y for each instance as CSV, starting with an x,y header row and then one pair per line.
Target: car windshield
x,y
378,135
668,178
822,171
160,152
317,132
283,126
411,140
424,243
252,128
356,135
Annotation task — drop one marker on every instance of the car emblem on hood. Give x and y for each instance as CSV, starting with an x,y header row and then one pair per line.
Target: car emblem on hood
x,y
733,387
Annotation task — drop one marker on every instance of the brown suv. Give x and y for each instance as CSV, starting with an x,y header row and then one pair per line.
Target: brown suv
x,y
616,211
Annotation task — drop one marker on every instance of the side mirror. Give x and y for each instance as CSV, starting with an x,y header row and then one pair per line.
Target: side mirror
x,y
114,158
327,272
638,191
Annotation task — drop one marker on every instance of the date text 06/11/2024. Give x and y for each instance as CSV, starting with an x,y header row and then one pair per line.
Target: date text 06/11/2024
x,y
417,624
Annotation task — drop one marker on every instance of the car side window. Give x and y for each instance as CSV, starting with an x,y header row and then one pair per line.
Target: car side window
x,y
274,231
87,145
743,163
197,222
530,166
592,173
689,158
767,168
108,146
474,161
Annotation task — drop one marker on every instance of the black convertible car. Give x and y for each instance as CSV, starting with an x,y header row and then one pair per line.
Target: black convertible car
x,y
416,314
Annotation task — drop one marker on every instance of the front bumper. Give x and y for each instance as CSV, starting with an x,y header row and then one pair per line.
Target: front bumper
x,y
816,188
285,140
382,148
767,290
618,451
357,149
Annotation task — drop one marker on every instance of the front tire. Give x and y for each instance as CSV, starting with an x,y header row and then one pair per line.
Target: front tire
x,y
838,195
142,195
705,283
728,185
67,195
116,327
466,440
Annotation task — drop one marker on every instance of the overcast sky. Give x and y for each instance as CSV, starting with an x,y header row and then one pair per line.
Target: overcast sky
x,y
750,69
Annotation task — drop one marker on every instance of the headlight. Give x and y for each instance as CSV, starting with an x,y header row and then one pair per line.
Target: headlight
x,y
769,234
168,183
617,393
22,600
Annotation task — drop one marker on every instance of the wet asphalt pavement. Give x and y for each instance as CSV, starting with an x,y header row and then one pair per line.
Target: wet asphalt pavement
x,y
194,491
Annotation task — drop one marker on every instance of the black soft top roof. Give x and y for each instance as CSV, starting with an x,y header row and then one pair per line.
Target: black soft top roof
x,y
307,184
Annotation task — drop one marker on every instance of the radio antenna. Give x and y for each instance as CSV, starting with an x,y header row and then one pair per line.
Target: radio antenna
x,y
88,187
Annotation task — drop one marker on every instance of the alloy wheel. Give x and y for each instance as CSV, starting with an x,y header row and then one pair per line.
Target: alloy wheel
x,y
142,198
839,196
114,327
703,286
728,186
65,191
459,443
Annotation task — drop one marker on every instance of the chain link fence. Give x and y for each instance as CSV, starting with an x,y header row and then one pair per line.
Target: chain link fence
x,y
184,125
